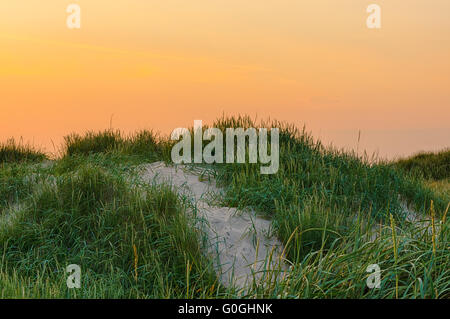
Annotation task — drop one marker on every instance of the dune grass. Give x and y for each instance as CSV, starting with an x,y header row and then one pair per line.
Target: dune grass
x,y
14,184
428,164
130,242
13,152
332,210
314,177
340,270
441,187
327,203
142,146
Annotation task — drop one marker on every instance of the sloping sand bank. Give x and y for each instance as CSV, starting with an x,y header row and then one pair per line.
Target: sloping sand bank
x,y
240,243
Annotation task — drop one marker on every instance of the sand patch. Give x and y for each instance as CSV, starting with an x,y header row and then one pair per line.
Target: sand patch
x,y
241,243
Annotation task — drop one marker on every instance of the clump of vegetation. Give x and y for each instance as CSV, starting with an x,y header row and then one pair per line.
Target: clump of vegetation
x,y
14,185
337,182
336,213
144,144
413,263
131,242
429,165
441,187
14,152
18,172
92,142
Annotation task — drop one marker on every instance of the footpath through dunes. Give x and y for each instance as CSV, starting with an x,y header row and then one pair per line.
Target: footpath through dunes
x,y
242,244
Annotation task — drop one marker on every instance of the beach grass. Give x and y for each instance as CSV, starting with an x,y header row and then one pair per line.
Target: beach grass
x,y
336,212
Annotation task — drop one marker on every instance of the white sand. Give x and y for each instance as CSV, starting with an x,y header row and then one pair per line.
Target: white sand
x,y
240,243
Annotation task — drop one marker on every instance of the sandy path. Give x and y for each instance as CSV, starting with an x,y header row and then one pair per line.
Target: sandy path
x,y
240,242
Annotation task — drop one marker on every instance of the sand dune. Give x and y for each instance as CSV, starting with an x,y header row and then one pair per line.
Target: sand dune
x,y
240,242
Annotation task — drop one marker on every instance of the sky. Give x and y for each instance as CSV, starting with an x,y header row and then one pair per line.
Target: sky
x,y
138,64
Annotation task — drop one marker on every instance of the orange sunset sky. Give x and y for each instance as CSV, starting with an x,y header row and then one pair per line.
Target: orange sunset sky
x,y
162,64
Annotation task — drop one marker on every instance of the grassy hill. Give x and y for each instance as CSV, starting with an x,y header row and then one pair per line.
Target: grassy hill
x,y
429,165
337,213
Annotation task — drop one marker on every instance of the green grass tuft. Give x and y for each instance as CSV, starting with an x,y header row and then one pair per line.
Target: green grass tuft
x,y
143,144
14,152
95,219
429,165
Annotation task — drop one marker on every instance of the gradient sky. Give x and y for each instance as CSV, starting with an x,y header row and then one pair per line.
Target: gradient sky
x,y
162,64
